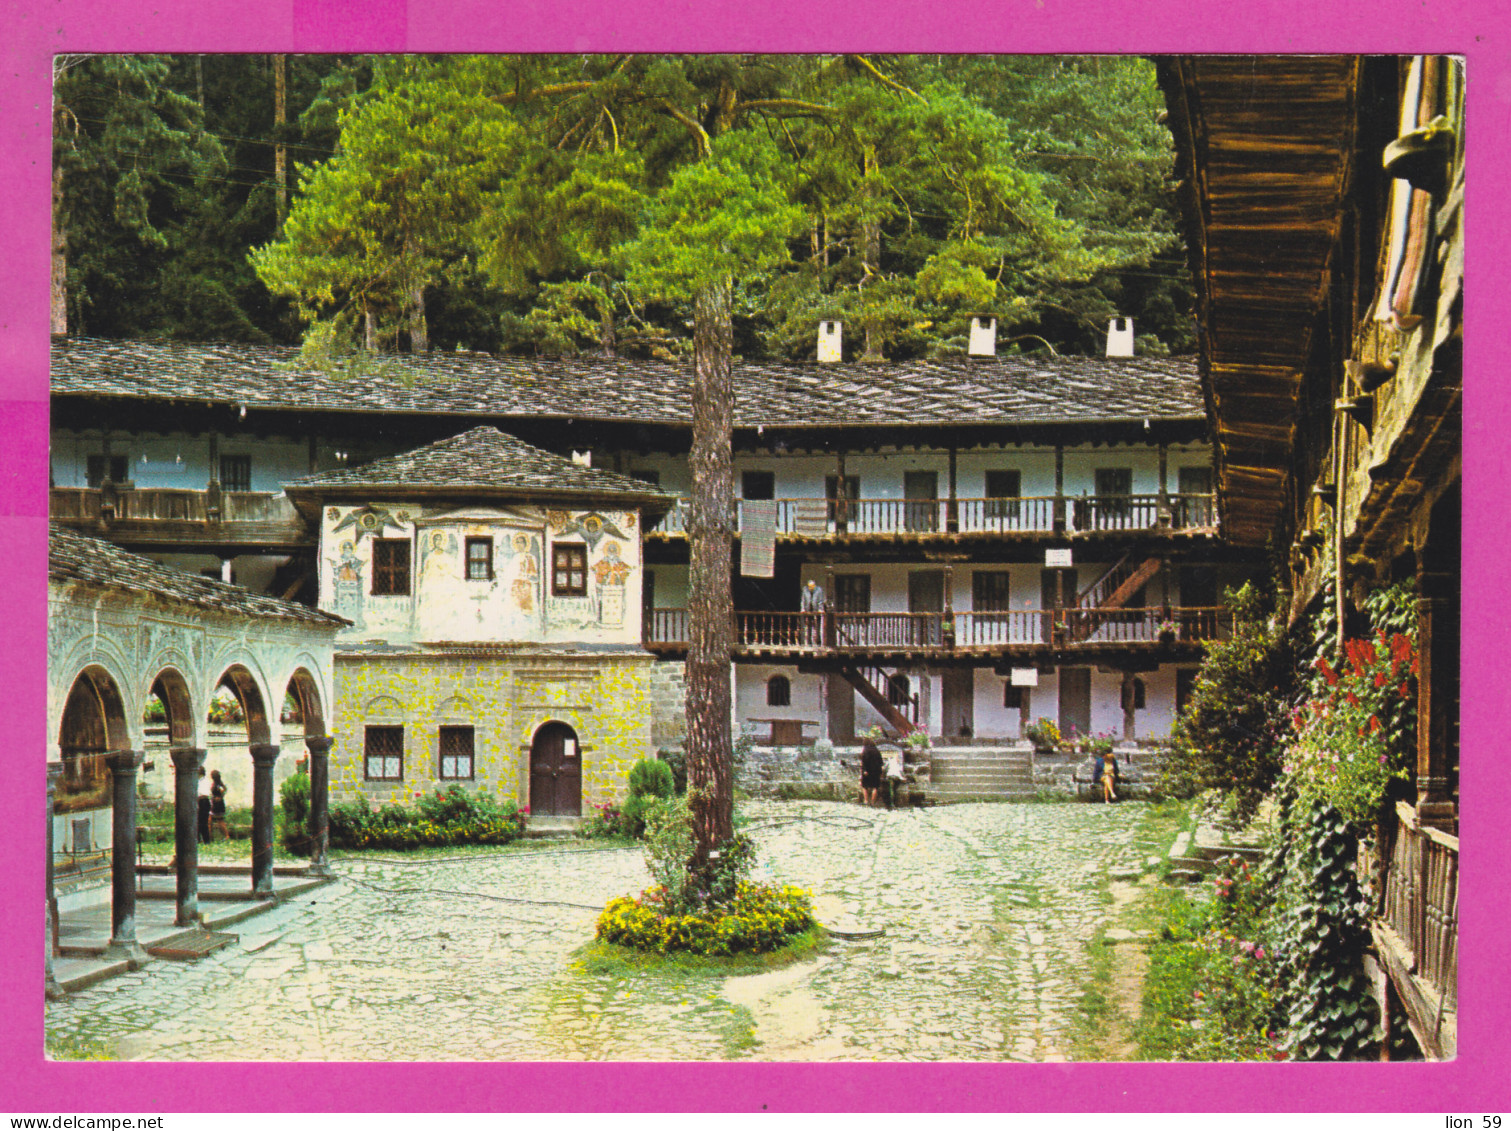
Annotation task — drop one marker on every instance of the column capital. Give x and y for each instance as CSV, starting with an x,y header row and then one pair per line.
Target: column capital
x,y
187,757
319,743
124,762
264,753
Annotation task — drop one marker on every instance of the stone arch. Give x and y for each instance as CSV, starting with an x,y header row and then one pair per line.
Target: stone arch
x,y
383,705
170,686
248,691
306,692
94,723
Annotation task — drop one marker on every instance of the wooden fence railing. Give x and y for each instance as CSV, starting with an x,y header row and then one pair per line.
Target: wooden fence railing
x,y
863,632
1421,902
170,504
1028,514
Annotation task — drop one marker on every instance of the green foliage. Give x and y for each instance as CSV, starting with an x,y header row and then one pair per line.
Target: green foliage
x,y
1323,931
294,798
676,758
755,919
1230,736
608,821
1210,991
668,850
650,781
455,817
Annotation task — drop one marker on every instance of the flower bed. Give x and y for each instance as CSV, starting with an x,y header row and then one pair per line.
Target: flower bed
x,y
761,918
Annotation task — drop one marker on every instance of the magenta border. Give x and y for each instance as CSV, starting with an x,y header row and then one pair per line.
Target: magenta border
x,y
35,29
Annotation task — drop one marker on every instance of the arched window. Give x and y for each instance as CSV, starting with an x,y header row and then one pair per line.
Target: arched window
x,y
778,691
899,690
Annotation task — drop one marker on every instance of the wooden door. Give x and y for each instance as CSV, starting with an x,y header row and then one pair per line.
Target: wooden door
x,y
959,705
926,595
1075,701
555,772
921,489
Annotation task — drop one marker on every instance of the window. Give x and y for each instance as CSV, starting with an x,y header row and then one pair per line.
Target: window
x,y
95,467
383,754
390,567
1003,489
236,473
899,690
1113,485
1015,697
991,591
758,485
456,753
1140,695
479,559
569,571
778,691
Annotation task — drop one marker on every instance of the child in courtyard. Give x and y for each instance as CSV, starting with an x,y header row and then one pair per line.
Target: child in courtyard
x,y
1109,778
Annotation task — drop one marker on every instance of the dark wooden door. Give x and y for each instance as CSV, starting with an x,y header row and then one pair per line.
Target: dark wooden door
x,y
1075,701
926,595
555,772
959,706
921,489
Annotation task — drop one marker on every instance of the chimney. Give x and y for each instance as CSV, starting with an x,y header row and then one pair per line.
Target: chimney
x,y
983,337
1120,337
583,459
829,348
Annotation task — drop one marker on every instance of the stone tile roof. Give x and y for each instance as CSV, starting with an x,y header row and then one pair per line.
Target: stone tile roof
x,y
1007,390
75,557
483,460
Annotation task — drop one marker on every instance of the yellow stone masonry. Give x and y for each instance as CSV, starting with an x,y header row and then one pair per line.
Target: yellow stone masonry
x,y
604,697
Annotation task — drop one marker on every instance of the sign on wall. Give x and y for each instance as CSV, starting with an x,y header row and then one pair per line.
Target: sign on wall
x,y
1058,559
1025,677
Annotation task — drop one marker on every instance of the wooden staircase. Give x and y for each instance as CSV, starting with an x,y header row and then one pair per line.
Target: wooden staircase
x,y
872,684
1112,590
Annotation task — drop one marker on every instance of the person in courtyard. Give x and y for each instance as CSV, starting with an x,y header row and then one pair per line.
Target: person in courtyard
x,y
218,806
870,772
1098,764
204,808
894,777
813,598
1109,778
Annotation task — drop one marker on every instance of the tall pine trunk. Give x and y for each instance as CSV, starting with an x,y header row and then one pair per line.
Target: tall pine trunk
x,y
710,773
280,151
59,282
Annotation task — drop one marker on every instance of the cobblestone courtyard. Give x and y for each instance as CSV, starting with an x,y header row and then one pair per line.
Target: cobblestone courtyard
x,y
987,909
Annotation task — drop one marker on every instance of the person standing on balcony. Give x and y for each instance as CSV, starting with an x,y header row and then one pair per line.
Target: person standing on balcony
x,y
813,598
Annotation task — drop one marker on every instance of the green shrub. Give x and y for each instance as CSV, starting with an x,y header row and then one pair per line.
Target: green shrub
x,y
294,797
650,781
608,821
758,919
676,758
455,817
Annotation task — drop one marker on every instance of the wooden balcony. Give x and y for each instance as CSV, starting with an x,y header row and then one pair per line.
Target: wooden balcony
x,y
171,515
1029,632
1029,516
1416,935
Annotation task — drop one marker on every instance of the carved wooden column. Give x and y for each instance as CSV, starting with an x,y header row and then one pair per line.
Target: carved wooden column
x,y
1437,695
952,512
123,766
1129,698
51,987
1164,517
1059,520
188,765
319,820
264,754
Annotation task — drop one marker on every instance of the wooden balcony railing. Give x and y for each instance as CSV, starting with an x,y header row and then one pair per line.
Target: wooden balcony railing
x,y
842,633
172,505
1421,911
1041,514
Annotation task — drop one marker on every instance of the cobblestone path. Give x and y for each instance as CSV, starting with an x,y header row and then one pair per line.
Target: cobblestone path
x,y
987,909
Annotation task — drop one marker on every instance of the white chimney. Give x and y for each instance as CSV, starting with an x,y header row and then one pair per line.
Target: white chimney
x,y
829,347
583,459
1120,337
983,337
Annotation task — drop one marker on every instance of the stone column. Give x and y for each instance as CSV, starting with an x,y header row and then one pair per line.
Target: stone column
x,y
264,754
52,989
123,766
319,820
188,764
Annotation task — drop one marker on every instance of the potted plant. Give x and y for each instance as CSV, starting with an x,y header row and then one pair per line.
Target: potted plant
x,y
1043,733
1167,630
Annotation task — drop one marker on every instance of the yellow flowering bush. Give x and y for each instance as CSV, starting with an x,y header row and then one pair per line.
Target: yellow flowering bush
x,y
759,919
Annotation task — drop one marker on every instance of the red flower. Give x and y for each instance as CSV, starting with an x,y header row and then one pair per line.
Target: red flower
x,y
1327,672
1375,726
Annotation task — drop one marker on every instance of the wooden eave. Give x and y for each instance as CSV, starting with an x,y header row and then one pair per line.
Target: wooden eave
x,y
1264,148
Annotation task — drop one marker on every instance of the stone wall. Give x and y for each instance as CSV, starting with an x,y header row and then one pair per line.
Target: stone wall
x,y
603,697
666,689
820,770
1055,773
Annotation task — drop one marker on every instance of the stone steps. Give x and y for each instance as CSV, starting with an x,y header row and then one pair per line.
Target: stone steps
x,y
981,775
